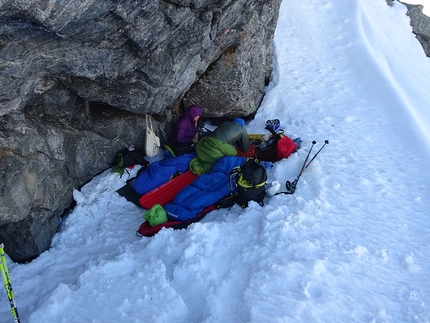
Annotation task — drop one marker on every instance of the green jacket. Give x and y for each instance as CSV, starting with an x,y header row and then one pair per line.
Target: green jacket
x,y
208,150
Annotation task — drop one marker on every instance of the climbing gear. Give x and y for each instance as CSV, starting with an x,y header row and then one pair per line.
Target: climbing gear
x,y
273,124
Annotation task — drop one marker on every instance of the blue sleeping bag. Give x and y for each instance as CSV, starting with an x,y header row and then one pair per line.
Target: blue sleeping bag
x,y
206,190
160,171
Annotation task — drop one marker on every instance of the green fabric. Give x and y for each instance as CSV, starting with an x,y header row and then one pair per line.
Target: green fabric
x,y
119,167
156,215
208,150
196,166
170,150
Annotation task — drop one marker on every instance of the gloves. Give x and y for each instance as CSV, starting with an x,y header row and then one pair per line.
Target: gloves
x,y
273,189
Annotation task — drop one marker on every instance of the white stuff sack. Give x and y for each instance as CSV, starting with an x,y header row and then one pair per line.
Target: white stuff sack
x,y
152,142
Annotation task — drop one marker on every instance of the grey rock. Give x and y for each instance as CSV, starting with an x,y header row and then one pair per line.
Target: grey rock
x,y
420,25
232,82
78,78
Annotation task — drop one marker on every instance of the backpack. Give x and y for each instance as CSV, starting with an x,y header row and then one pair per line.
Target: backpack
x,y
250,183
127,158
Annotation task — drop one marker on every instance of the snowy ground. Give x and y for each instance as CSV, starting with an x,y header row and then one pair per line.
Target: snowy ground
x,y
351,245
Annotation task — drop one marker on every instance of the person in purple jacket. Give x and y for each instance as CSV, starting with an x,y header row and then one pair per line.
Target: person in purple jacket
x,y
185,131
184,135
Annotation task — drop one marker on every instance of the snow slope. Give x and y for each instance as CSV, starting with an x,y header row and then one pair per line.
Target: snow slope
x,y
351,245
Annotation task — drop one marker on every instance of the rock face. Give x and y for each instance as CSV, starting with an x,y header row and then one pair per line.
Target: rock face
x,y
78,77
420,25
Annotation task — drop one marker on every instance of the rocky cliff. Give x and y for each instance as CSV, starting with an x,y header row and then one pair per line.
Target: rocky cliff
x,y
420,24
79,76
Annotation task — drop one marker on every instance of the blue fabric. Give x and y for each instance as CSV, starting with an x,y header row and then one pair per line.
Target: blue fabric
x,y
159,172
206,190
266,164
239,121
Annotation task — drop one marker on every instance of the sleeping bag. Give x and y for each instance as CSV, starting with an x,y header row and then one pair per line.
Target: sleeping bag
x,y
206,190
161,171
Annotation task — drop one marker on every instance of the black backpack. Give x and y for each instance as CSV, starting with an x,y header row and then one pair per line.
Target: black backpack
x,y
250,183
126,158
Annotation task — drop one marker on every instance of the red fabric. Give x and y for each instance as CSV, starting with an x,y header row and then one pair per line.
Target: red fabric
x,y
286,146
146,230
249,154
166,192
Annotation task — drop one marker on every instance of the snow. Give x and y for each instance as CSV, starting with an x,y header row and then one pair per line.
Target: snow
x,y
352,244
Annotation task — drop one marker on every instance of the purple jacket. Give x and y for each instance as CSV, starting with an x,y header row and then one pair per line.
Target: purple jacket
x,y
186,127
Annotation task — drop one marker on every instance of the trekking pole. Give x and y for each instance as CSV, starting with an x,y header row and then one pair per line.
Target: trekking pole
x,y
8,284
291,187
325,143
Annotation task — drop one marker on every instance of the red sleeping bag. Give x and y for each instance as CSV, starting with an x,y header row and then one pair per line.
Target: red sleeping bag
x,y
146,230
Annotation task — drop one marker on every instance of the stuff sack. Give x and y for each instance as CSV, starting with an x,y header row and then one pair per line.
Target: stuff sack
x,y
250,181
285,147
127,158
156,215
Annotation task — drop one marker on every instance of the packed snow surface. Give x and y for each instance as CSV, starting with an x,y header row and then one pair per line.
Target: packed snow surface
x,y
352,244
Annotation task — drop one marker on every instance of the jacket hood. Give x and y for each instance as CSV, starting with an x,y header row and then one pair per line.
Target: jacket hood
x,y
193,111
